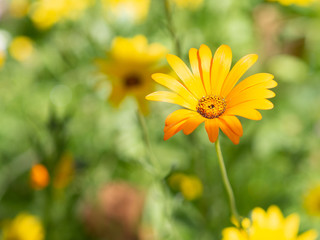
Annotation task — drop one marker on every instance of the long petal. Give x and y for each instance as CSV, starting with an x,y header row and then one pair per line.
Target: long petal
x,y
169,132
227,130
192,123
249,95
170,97
234,123
220,68
248,113
174,85
184,74
236,73
212,128
178,115
205,56
256,104
194,62
259,79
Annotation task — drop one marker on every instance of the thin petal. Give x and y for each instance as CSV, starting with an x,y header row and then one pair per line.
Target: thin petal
x,y
174,85
184,74
205,56
169,132
249,95
177,116
248,113
192,123
237,71
220,68
194,62
256,104
212,128
234,123
259,79
226,129
170,97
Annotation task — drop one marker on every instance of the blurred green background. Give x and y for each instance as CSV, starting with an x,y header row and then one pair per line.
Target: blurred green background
x,y
54,110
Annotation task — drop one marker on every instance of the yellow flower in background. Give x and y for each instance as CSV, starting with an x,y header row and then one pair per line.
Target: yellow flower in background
x,y
269,225
21,48
136,10
296,2
39,177
2,58
189,4
210,95
19,8
46,13
64,171
130,63
23,227
312,201
190,186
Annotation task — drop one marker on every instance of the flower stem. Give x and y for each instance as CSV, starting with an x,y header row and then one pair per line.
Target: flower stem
x,y
226,183
171,28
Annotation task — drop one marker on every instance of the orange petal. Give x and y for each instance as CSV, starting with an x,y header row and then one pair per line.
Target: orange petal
x,y
249,95
234,124
212,129
227,130
259,79
169,132
220,68
184,74
205,56
177,116
237,71
256,104
174,85
248,113
194,62
192,123
170,97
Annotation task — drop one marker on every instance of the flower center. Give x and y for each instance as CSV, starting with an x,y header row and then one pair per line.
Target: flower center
x,y
211,106
132,80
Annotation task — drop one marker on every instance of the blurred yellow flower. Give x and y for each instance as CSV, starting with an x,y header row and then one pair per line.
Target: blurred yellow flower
x,y
135,10
312,201
189,4
267,225
130,63
2,58
296,2
23,227
19,8
64,171
46,13
39,177
190,186
209,93
21,48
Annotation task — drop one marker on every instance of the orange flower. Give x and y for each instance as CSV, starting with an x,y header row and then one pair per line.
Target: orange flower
x,y
39,177
210,95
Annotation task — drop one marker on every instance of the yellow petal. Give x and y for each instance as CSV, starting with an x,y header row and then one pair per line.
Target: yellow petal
x,y
184,74
275,217
259,79
170,97
248,113
194,62
174,85
237,71
249,95
226,129
178,115
291,226
205,56
259,217
220,68
234,124
309,235
212,128
256,104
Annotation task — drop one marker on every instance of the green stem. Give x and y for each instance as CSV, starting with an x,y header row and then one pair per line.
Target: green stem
x,y
171,27
226,183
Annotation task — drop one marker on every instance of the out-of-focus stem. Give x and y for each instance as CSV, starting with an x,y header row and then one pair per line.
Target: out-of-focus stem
x,y
171,28
227,184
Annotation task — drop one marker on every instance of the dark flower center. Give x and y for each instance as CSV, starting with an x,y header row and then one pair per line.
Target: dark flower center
x,y
132,80
211,106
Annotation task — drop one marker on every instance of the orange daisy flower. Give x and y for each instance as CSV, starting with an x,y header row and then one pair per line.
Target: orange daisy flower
x,y
210,95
